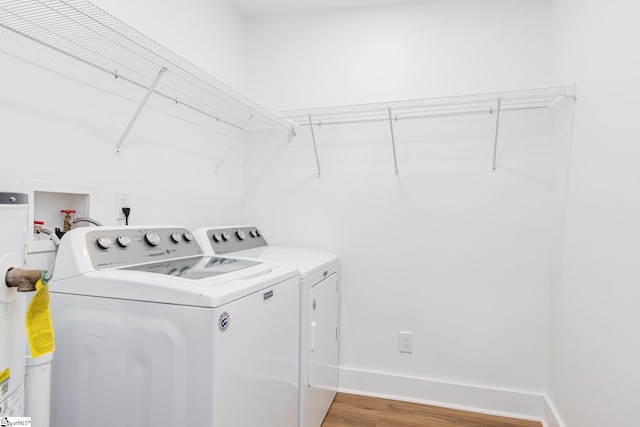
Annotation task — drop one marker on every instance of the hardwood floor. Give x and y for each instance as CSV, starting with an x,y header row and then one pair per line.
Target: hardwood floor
x,y
352,410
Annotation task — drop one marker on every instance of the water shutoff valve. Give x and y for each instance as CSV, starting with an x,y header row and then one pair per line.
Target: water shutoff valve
x,y
66,225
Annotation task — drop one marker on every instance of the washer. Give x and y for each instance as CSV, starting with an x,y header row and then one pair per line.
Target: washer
x,y
150,331
319,309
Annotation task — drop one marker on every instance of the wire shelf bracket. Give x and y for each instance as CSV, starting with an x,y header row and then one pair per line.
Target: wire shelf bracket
x,y
495,140
140,107
315,147
393,144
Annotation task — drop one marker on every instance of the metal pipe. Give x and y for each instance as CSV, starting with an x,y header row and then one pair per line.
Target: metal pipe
x,y
24,280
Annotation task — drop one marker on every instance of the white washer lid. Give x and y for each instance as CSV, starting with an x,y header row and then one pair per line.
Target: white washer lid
x,y
210,292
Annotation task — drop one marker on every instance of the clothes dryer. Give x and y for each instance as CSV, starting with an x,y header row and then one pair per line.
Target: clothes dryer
x,y
319,309
150,331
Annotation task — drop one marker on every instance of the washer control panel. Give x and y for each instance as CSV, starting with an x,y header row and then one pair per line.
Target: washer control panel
x,y
128,246
225,240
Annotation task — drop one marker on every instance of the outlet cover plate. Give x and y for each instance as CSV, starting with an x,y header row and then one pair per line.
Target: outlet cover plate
x,y
405,342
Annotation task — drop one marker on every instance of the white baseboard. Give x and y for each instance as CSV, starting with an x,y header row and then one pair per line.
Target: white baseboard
x,y
513,404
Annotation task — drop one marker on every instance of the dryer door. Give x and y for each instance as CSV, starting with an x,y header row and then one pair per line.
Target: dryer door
x,y
323,335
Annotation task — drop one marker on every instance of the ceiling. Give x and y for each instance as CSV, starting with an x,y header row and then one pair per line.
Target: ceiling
x,y
278,7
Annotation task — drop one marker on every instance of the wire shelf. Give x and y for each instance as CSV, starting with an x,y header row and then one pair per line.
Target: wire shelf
x,y
83,31
430,107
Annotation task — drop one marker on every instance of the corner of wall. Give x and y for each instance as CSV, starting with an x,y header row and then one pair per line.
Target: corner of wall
x,y
549,417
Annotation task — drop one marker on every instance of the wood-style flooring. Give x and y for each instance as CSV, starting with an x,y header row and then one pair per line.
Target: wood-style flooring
x,y
360,411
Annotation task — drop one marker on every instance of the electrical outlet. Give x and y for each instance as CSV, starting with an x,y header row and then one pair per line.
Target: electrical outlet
x,y
405,342
123,200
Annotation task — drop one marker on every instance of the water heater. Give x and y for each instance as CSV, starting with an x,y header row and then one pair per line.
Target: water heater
x,y
14,211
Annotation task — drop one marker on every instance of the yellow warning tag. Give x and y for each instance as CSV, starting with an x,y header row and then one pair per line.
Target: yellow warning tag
x,y
4,383
38,322
5,375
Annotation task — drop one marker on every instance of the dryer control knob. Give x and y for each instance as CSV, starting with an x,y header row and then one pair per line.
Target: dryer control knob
x,y
258,233
152,238
187,236
217,238
123,241
103,243
240,234
225,236
253,233
175,237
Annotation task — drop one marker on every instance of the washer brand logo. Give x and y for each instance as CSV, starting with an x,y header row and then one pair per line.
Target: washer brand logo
x,y
223,323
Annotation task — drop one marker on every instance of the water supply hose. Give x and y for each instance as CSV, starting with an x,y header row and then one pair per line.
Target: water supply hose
x,y
54,238
84,219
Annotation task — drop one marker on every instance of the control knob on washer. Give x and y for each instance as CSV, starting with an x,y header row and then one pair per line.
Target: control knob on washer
x,y
225,236
123,241
175,237
217,238
187,236
103,243
152,238
240,234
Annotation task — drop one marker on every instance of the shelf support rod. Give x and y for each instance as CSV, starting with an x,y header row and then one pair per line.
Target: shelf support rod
x,y
393,144
495,142
140,107
236,139
315,147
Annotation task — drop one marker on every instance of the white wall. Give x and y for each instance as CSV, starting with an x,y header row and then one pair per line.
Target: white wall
x,y
449,250
594,354
208,33
61,122
436,48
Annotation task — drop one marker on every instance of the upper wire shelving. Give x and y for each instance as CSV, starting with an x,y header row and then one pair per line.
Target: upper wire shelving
x,y
431,107
394,111
85,32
